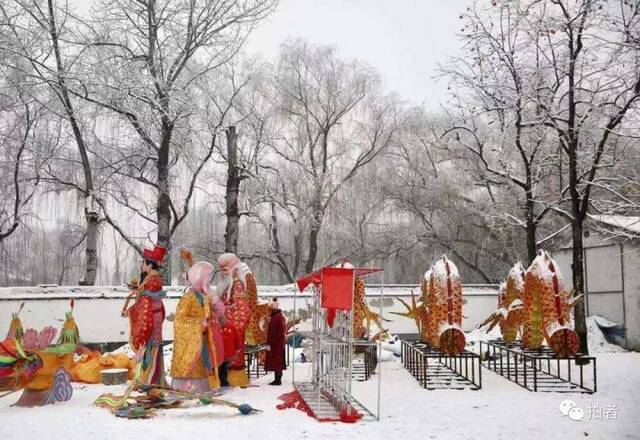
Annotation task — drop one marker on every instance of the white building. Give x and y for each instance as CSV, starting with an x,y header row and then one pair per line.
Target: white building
x,y
612,271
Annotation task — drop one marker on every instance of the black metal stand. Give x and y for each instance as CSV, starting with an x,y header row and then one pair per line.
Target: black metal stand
x,y
434,369
255,368
362,371
540,369
252,360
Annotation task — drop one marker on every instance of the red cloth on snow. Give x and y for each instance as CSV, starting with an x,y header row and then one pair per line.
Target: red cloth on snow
x,y
295,400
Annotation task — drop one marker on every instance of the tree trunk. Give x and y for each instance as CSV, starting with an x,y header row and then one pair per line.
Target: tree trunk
x,y
577,267
531,230
313,249
163,207
232,192
275,241
91,248
91,217
297,250
577,220
531,241
314,231
116,276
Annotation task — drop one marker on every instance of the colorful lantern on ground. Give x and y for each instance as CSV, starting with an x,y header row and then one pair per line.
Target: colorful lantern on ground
x,y
512,303
547,308
445,307
509,314
16,330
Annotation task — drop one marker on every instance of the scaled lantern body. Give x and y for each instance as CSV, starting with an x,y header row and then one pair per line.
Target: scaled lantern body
x,y
512,300
359,305
445,308
423,310
535,287
547,308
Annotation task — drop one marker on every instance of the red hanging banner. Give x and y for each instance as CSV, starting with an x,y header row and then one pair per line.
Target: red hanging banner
x,y
337,288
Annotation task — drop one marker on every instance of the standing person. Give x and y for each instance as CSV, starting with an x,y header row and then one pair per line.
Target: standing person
x,y
146,317
197,345
276,333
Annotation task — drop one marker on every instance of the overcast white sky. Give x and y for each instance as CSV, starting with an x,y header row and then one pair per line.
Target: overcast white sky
x,y
404,39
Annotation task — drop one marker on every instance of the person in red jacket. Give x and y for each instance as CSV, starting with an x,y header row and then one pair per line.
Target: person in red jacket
x,y
276,333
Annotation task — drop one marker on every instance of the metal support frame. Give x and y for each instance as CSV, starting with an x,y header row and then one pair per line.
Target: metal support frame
x,y
252,355
540,370
363,371
435,370
329,392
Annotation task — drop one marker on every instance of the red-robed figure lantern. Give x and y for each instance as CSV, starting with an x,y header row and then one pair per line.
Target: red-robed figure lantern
x,y
235,287
147,315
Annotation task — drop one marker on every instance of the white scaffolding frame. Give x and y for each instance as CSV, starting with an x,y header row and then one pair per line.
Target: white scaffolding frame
x,y
330,392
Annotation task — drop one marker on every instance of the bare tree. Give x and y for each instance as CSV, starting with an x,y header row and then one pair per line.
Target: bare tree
x,y
232,192
563,77
496,110
240,154
438,207
20,160
36,32
617,189
591,87
334,123
142,62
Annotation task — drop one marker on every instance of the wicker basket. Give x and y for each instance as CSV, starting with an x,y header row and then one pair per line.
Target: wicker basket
x,y
114,376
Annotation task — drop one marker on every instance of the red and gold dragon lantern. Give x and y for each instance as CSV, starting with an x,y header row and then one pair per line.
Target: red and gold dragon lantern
x,y
422,313
510,313
363,316
511,326
547,308
445,308
417,310
433,311
359,305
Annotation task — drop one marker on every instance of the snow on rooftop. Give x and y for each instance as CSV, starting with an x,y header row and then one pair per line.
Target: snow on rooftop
x,y
627,223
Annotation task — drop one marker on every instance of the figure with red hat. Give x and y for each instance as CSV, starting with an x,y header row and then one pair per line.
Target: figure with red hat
x,y
146,316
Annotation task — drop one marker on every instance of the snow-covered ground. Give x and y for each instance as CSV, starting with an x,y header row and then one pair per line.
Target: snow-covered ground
x,y
501,410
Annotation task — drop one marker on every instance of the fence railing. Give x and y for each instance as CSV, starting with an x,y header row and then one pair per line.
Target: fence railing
x,y
540,369
434,369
